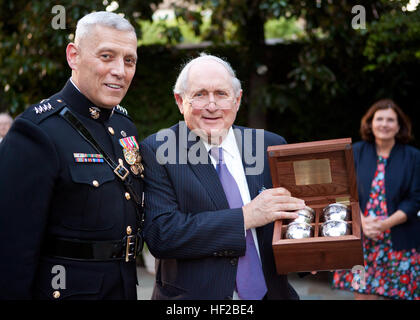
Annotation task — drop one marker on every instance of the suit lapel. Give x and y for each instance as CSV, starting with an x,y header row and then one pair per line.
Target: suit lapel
x,y
205,171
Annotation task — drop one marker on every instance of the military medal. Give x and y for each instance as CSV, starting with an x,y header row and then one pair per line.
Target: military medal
x,y
134,169
131,154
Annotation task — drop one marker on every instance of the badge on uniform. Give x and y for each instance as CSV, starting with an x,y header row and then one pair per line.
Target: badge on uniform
x,y
88,157
132,154
94,112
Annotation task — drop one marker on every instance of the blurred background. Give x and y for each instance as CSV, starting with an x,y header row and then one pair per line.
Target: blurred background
x,y
309,69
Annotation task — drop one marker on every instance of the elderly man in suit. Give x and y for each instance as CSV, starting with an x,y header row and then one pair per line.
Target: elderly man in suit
x,y
209,203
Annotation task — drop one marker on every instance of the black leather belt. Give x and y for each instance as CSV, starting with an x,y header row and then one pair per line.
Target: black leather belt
x,y
99,250
73,249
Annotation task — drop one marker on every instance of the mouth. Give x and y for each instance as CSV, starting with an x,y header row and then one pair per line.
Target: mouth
x,y
114,86
211,119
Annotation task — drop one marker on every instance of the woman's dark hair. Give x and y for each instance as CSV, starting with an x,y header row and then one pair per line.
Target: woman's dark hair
x,y
403,135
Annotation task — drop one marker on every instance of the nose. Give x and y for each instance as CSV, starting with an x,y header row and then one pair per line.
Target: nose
x,y
118,68
212,102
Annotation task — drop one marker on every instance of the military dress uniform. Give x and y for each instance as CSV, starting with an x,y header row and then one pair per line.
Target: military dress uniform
x,y
63,205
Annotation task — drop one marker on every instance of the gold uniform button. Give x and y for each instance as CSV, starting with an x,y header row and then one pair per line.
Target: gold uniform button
x,y
111,130
56,294
129,230
95,183
127,196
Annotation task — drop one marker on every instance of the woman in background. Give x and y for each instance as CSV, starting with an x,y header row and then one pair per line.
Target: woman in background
x,y
388,176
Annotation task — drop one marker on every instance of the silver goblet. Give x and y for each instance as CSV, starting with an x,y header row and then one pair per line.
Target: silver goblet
x,y
335,228
305,215
336,211
298,230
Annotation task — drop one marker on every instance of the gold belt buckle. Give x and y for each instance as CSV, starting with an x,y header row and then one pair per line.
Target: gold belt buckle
x,y
127,248
116,171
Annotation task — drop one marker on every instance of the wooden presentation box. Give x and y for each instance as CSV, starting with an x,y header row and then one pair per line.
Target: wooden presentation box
x,y
321,173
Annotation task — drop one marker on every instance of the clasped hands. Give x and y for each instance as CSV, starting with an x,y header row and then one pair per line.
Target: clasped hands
x,y
372,226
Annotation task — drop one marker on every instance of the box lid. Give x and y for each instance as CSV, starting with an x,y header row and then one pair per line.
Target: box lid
x,y
315,170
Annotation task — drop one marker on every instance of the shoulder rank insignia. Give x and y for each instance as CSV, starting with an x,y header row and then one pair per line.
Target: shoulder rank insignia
x,y
121,109
43,107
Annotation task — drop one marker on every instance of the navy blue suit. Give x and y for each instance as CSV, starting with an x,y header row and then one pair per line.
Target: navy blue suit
x,y
45,192
402,187
190,228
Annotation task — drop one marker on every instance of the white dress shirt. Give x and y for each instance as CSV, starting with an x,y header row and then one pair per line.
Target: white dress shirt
x,y
233,161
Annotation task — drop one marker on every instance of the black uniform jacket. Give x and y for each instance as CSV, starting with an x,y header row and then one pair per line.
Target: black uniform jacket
x,y
51,186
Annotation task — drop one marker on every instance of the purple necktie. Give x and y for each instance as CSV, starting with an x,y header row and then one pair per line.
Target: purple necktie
x,y
250,282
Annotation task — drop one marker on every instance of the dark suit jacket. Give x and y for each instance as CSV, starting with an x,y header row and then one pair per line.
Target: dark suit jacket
x,y
45,193
191,229
402,187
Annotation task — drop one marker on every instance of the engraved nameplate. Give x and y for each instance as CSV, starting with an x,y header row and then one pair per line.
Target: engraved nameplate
x,y
316,171
343,200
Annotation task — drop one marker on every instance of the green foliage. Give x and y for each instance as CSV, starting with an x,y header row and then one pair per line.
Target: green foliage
x,y
286,29
169,32
150,100
317,88
393,39
29,48
32,51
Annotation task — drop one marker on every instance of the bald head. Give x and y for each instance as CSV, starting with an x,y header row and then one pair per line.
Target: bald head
x,y
181,85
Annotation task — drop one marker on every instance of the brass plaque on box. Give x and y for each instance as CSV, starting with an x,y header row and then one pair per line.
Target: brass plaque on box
x,y
343,200
316,171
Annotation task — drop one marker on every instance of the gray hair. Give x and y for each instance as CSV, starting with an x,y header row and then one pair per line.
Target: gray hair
x,y
103,18
6,116
181,84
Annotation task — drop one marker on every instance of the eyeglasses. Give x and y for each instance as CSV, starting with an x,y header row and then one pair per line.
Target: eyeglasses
x,y
221,100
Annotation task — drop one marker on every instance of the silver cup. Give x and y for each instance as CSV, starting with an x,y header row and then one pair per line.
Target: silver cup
x,y
335,228
336,211
305,215
298,230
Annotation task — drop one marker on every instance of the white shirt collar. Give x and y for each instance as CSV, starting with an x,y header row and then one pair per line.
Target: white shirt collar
x,y
75,85
228,144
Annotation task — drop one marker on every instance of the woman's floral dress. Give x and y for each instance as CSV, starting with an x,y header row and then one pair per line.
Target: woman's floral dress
x,y
388,272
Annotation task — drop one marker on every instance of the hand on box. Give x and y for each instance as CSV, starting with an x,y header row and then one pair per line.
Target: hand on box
x,y
270,205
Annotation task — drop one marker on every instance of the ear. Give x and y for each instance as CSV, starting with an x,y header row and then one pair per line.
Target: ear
x,y
72,54
179,102
238,100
